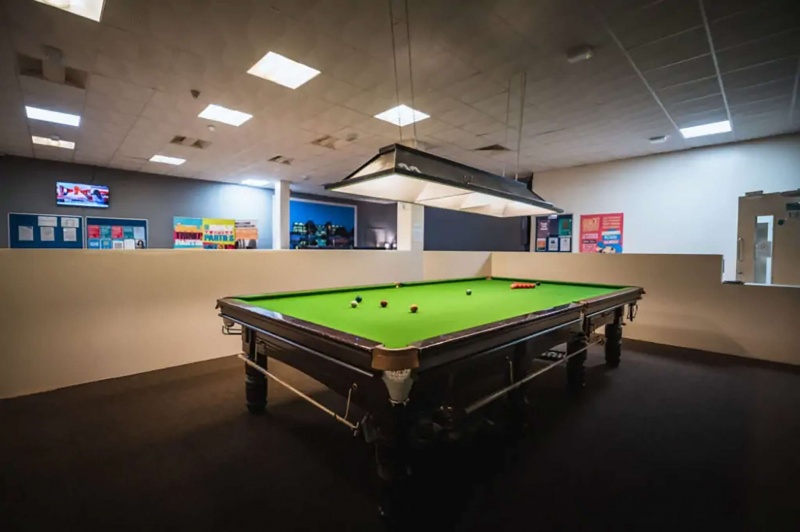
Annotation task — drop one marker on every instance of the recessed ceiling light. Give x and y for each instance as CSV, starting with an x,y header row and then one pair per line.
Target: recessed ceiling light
x,y
91,9
255,182
660,139
67,119
706,129
282,70
402,115
167,160
54,142
225,115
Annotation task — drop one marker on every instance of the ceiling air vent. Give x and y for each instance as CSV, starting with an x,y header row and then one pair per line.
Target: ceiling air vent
x,y
280,159
327,141
190,142
51,69
492,147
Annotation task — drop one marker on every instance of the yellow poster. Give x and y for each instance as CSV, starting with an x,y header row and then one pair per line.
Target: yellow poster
x,y
219,233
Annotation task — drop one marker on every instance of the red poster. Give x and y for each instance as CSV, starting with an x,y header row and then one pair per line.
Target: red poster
x,y
93,231
601,233
117,232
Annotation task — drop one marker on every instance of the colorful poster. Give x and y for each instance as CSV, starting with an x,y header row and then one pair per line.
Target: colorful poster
x,y
219,233
188,233
602,233
93,231
554,233
117,232
105,231
246,234
128,233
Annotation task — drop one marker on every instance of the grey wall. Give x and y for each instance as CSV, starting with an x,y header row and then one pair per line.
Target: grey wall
x,y
28,185
447,230
376,222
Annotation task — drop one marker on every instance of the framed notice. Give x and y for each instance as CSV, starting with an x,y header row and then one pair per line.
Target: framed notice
x,y
116,233
554,233
602,233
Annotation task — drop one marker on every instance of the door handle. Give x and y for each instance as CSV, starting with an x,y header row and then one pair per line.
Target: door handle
x,y
739,246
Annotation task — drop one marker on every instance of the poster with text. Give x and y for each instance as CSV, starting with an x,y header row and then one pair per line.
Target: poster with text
x,y
246,234
601,233
219,233
187,233
554,233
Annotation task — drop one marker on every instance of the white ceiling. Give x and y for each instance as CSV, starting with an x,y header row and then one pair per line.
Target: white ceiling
x,y
658,65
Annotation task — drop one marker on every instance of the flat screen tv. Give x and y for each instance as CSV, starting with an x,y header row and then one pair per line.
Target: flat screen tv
x,y
79,195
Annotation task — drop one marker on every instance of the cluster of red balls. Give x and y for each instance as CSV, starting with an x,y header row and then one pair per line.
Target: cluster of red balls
x,y
515,286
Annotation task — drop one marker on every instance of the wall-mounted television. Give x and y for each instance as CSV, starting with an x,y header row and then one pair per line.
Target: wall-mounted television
x,y
79,195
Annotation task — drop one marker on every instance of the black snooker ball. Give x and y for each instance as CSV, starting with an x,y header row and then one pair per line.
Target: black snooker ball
x,y
469,292
359,299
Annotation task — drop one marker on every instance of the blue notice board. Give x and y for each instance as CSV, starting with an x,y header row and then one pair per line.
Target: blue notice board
x,y
44,231
116,233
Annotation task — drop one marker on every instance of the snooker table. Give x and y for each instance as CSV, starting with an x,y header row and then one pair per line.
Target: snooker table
x,y
420,376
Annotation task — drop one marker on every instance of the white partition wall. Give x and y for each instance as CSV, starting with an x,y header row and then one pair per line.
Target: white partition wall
x,y
71,317
685,303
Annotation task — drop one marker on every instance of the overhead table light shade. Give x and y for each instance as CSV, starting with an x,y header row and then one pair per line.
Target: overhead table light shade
x,y
400,173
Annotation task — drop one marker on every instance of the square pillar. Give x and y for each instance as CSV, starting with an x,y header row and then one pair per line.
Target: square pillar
x,y
410,227
280,216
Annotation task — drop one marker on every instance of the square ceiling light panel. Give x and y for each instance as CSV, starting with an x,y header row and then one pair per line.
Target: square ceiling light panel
x,y
225,115
175,161
35,113
402,115
91,9
54,142
283,71
714,128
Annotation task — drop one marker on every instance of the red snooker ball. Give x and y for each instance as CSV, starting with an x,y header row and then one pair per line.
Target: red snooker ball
x,y
414,308
384,303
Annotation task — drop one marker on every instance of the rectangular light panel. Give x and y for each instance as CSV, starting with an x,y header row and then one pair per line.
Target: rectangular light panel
x,y
402,115
282,70
706,129
255,182
176,161
44,141
34,113
91,9
225,115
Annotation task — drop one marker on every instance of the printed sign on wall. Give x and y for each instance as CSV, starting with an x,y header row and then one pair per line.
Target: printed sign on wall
x,y
601,233
554,233
246,234
187,233
219,233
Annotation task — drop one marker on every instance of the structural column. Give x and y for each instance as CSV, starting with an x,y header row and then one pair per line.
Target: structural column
x,y
410,227
280,216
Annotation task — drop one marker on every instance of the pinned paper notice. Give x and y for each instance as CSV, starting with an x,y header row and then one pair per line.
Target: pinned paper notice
x,y
71,222
70,234
48,221
47,234
25,233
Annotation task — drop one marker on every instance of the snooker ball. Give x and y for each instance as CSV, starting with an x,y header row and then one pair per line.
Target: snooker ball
x,y
354,303
469,292
358,299
384,303
414,308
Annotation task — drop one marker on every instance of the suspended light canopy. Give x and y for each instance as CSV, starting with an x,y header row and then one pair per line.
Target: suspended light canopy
x,y
400,173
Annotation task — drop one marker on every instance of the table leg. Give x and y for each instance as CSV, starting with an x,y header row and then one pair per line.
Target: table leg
x,y
576,378
613,335
517,399
392,458
255,384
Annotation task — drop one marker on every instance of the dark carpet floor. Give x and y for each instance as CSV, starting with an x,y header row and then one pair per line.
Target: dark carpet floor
x,y
672,440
